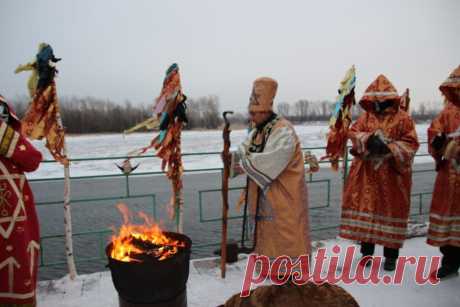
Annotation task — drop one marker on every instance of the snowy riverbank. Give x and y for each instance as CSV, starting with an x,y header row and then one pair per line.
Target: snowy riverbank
x,y
113,145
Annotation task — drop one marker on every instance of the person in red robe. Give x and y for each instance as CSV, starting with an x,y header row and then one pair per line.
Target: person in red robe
x,y
376,197
19,229
444,146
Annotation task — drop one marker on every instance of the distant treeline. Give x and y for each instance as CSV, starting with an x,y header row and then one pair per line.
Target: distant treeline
x,y
92,115
305,110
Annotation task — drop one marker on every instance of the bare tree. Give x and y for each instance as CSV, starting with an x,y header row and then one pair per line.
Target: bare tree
x,y
302,107
284,109
326,108
421,109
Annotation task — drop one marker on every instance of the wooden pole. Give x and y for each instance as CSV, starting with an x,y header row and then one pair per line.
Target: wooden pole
x,y
67,215
177,184
179,211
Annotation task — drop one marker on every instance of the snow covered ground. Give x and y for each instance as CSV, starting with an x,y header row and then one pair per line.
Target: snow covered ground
x,y
206,288
113,145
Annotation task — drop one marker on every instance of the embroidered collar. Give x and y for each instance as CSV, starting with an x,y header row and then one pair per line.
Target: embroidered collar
x,y
263,131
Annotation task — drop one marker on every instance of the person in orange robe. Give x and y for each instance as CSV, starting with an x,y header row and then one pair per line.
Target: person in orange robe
x,y
376,197
444,146
19,229
272,158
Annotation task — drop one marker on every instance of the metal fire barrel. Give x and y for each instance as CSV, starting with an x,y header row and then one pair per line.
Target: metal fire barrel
x,y
178,301
153,283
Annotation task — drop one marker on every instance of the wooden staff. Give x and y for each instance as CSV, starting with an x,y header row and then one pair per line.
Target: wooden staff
x,y
226,158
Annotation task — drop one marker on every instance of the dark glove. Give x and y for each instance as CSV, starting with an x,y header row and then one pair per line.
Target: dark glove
x,y
439,141
353,152
376,146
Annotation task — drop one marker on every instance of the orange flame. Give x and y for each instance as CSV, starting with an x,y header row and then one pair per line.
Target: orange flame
x,y
150,233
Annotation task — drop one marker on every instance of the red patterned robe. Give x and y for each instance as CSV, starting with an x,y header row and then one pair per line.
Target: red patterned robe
x,y
444,226
19,229
376,197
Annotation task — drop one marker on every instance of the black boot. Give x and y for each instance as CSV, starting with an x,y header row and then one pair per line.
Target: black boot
x,y
367,250
391,255
450,262
390,264
446,271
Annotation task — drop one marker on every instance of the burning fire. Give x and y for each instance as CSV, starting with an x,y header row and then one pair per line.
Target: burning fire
x,y
147,239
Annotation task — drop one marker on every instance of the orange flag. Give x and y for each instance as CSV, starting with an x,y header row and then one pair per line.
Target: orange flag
x,y
168,142
43,120
341,120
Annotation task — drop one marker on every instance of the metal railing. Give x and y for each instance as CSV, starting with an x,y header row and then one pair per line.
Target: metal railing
x,y
102,234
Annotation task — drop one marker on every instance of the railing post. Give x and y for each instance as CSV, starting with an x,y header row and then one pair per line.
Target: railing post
x,y
154,208
127,184
101,246
420,204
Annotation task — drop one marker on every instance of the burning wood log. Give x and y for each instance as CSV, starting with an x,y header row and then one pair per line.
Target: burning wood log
x,y
134,242
159,251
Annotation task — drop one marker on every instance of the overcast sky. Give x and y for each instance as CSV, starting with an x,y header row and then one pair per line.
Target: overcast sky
x,y
121,49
